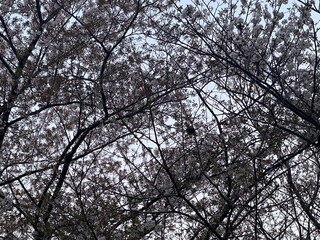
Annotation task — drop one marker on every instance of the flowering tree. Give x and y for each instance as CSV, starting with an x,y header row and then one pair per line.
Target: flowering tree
x,y
159,119
75,87
253,66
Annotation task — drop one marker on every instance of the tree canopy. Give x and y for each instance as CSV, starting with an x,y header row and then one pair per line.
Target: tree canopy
x,y
159,119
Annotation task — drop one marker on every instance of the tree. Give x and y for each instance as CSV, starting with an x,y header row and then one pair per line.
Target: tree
x,y
159,120
254,68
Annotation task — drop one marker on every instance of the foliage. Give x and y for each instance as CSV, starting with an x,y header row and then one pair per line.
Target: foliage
x,y
154,119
